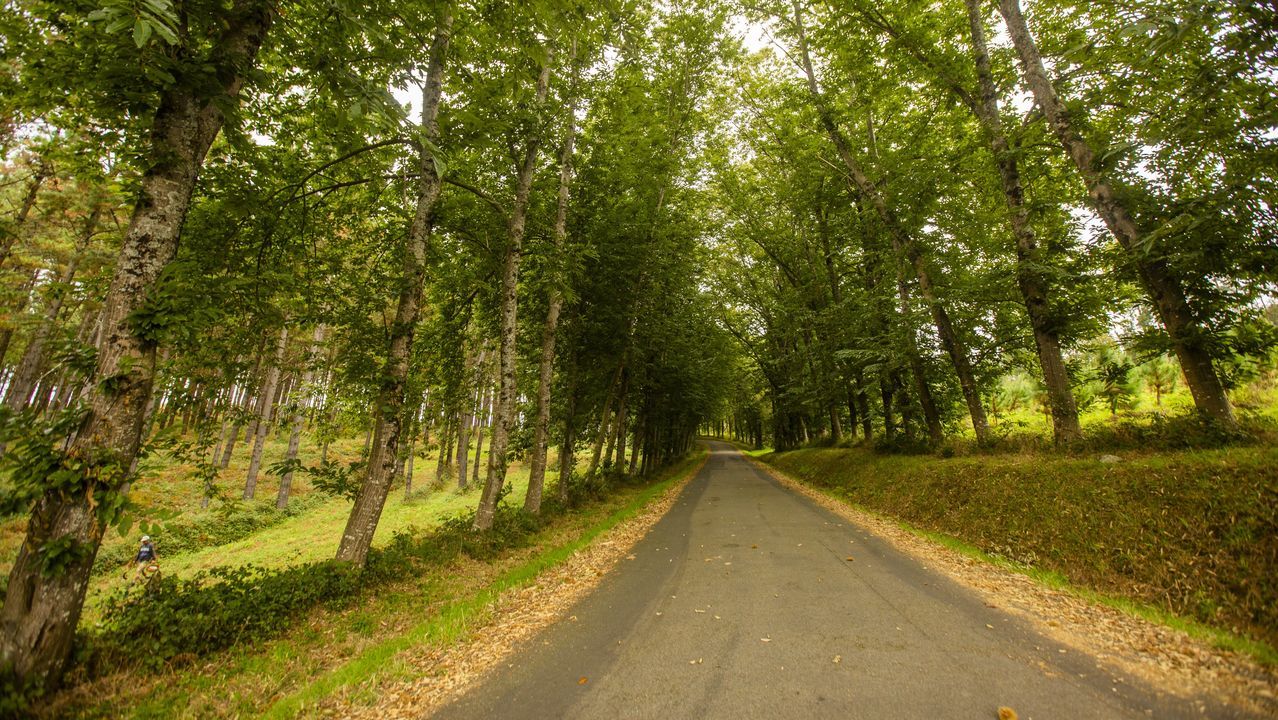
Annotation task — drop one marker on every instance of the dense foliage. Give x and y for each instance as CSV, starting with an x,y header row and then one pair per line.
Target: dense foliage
x,y
596,227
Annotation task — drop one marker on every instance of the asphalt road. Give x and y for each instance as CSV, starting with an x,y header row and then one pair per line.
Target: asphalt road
x,y
741,603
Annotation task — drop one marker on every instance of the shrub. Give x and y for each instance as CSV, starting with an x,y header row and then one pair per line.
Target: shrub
x,y
175,618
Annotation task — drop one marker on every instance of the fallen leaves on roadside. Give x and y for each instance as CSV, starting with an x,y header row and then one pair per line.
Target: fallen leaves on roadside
x,y
1006,713
439,674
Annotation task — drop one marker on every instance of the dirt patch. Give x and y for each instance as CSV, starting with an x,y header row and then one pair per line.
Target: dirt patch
x,y
1164,657
442,674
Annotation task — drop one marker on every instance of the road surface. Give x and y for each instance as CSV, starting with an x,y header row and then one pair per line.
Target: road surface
x,y
742,603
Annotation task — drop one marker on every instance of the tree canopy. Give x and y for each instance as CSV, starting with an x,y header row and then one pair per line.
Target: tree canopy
x,y
601,227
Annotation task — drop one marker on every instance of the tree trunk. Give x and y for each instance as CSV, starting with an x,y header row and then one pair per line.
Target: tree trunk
x,y
1188,335
618,440
935,432
902,241
889,418
1033,284
605,419
265,411
537,463
485,403
567,449
304,393
504,417
24,210
27,374
41,609
357,538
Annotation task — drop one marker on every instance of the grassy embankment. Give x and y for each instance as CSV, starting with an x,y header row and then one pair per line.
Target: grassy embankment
x,y
1188,538
169,494
333,648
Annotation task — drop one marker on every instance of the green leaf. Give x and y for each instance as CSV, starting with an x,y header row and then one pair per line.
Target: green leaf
x,y
141,32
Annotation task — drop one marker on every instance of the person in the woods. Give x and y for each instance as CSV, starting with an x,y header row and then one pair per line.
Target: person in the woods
x,y
145,557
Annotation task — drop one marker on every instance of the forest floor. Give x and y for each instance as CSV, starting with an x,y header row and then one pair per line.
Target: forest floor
x,y
169,496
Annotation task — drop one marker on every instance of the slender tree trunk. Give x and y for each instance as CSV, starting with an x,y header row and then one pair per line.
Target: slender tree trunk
x,y
11,235
932,417
304,394
537,463
445,448
605,420
463,427
901,240
1032,282
1189,337
863,405
619,432
27,374
357,538
265,412
504,417
485,406
640,421
889,417
567,446
41,609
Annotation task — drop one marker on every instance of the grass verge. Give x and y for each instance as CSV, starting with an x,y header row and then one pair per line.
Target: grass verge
x,y
1183,539
331,648
460,617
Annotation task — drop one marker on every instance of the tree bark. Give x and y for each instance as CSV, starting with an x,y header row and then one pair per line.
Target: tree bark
x,y
504,417
485,405
357,538
1033,285
931,416
605,419
266,410
1188,335
304,394
537,463
27,373
567,446
469,410
41,609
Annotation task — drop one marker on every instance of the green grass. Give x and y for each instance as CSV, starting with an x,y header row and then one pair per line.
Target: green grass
x,y
332,649
1264,653
170,487
1184,538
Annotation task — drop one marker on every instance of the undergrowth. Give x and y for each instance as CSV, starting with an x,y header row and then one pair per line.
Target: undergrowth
x,y
174,621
